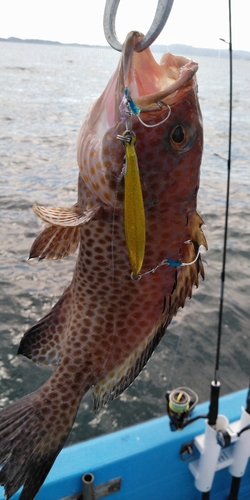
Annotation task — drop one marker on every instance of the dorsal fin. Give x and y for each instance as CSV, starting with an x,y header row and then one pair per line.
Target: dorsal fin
x,y
61,236
43,342
188,276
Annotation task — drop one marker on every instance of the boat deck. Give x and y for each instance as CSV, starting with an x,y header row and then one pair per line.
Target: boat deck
x,y
146,457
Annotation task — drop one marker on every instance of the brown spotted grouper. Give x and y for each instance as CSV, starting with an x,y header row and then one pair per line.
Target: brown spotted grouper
x,y
142,139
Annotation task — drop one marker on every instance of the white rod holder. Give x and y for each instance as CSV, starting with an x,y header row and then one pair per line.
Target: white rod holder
x,y
205,467
241,448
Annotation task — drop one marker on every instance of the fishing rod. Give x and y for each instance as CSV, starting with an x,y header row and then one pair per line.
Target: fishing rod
x,y
225,437
215,384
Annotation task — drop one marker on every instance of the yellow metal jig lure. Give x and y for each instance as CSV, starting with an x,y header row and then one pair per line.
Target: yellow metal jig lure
x,y
134,215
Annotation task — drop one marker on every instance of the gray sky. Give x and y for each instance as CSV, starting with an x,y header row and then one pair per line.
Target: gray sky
x,y
193,22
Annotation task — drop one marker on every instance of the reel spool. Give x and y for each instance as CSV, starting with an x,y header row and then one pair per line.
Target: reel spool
x,y
180,403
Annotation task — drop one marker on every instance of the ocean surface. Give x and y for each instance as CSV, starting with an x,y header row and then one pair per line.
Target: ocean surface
x,y
45,91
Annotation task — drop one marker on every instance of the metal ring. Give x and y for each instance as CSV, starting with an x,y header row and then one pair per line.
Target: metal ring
x,y
162,12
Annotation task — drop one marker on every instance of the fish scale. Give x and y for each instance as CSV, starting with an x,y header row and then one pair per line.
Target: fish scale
x,y
106,325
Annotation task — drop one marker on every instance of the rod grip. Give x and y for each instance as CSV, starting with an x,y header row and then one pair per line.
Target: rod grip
x,y
248,402
214,402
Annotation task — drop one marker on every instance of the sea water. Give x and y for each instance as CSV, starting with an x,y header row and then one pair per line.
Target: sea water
x,y
45,91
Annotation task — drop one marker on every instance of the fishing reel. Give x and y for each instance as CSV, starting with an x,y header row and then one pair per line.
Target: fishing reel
x,y
180,403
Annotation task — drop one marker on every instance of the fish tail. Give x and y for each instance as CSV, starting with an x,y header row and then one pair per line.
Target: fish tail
x,y
33,430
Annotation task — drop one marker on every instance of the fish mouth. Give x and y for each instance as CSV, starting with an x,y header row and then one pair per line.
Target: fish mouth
x,y
149,82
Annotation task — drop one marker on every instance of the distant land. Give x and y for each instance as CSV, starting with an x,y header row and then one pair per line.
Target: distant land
x,y
186,50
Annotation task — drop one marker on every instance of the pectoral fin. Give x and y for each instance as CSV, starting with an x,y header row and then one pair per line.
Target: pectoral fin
x,y
61,236
55,242
65,217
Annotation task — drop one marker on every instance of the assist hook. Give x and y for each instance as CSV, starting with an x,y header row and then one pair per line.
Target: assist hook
x,y
162,12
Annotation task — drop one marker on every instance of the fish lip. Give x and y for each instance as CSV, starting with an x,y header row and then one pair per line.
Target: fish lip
x,y
141,74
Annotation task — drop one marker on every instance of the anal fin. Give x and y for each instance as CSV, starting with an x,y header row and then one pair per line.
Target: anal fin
x,y
122,376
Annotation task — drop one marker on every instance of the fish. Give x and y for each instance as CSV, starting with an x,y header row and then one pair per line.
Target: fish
x,y
142,138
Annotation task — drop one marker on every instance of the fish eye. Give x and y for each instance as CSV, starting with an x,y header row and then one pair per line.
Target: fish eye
x,y
177,135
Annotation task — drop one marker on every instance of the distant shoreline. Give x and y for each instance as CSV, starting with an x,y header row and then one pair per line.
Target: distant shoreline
x,y
48,42
174,48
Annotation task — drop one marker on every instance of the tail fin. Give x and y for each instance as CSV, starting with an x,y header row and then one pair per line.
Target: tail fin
x,y
32,434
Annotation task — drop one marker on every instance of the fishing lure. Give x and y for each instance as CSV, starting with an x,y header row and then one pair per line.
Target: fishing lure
x,y
134,213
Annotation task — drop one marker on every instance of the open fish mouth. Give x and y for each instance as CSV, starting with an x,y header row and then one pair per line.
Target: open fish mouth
x,y
150,82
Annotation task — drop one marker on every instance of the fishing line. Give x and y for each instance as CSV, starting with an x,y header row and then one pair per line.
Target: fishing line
x,y
171,263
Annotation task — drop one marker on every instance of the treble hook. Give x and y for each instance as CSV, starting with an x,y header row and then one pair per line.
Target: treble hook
x,y
162,12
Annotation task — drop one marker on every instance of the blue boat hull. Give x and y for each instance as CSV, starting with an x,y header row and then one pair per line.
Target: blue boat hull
x,y
146,457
